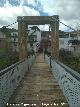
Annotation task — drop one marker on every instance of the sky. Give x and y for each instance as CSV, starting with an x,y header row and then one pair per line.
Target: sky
x,y
68,11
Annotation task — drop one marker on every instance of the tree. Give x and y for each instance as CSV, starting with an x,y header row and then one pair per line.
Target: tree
x,y
6,31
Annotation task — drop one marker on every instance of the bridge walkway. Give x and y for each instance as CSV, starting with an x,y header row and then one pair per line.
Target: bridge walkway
x,y
38,88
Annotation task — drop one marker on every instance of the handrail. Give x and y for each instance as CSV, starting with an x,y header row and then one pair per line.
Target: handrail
x,y
68,80
74,73
2,72
11,76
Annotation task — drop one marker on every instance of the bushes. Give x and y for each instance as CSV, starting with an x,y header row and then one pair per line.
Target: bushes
x,y
8,59
69,59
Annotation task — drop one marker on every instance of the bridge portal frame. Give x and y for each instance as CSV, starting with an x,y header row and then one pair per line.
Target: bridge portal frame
x,y
24,21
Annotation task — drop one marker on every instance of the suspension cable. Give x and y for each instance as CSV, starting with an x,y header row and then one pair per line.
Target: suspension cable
x,y
63,23
11,24
52,19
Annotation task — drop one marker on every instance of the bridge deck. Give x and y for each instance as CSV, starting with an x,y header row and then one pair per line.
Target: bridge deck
x,y
38,87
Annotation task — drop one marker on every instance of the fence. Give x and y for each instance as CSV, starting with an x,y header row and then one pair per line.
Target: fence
x,y
10,78
68,79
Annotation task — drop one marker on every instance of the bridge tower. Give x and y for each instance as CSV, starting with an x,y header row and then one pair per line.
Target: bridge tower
x,y
55,37
22,38
23,23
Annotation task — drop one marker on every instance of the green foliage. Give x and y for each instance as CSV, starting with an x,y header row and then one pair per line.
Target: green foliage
x,y
70,60
6,31
8,60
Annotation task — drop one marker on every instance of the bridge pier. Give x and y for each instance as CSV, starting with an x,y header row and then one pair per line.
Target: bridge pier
x,y
22,38
55,38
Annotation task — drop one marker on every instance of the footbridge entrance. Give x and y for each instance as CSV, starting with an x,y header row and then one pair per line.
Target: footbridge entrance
x,y
39,81
23,23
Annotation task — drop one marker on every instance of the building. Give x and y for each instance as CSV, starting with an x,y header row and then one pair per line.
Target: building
x,y
3,42
68,41
45,40
11,37
74,47
34,38
14,41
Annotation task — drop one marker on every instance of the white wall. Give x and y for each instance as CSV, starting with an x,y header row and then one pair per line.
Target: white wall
x,y
38,33
2,35
78,37
14,48
38,36
12,38
63,43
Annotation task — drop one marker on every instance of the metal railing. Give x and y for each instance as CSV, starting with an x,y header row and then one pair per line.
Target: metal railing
x,y
68,80
10,78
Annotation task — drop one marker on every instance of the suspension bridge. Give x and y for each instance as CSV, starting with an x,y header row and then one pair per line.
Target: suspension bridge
x,y
39,80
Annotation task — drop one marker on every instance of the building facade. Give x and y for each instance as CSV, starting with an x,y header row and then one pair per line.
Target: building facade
x,y
3,42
